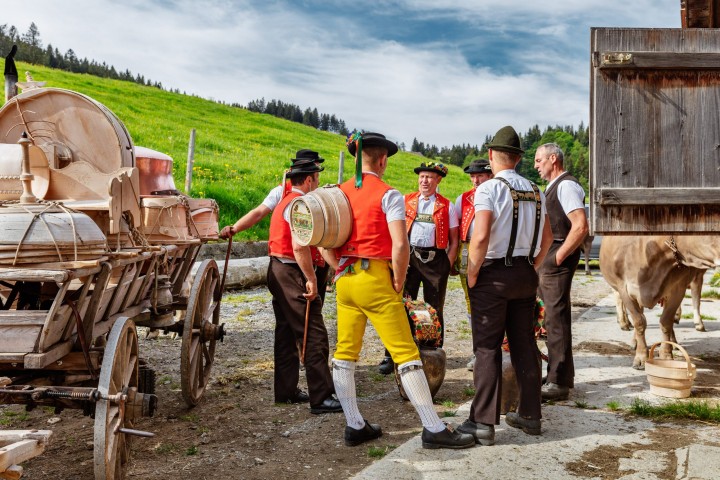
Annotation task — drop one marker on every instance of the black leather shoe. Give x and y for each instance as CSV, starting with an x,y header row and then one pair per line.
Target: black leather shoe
x,y
553,391
299,397
483,434
387,366
531,427
329,405
448,438
354,437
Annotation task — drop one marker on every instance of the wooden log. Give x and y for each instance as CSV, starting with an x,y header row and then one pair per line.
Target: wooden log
x,y
13,472
27,275
21,445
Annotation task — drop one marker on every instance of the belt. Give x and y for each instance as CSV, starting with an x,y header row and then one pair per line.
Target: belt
x,y
490,261
426,254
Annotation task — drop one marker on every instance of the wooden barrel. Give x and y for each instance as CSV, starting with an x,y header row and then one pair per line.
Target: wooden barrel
x,y
321,218
68,126
670,378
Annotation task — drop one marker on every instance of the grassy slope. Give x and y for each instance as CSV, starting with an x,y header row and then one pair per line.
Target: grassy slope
x,y
239,155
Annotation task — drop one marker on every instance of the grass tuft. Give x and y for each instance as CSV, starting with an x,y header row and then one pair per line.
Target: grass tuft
x,y
693,410
380,452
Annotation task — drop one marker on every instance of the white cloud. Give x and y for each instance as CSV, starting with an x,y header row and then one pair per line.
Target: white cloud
x,y
237,51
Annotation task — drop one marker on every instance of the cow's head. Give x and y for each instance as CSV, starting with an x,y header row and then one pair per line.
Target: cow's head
x,y
699,251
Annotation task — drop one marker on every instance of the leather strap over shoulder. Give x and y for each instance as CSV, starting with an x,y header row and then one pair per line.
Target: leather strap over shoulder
x,y
517,197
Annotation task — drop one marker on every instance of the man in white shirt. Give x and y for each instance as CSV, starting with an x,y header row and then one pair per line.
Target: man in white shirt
x,y
566,209
511,235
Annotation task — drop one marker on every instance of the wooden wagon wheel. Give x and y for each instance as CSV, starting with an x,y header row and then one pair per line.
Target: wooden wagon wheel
x,y
118,374
200,332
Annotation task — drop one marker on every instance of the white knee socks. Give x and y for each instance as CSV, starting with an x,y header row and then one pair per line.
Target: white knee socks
x,y
418,392
343,373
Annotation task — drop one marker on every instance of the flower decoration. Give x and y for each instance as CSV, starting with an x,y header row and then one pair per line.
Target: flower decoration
x,y
424,322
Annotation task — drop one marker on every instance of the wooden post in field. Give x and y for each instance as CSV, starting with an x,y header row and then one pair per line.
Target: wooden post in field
x,y
190,160
340,167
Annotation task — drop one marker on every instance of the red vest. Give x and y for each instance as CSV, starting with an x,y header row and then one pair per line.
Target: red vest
x,y
280,242
370,237
441,216
467,207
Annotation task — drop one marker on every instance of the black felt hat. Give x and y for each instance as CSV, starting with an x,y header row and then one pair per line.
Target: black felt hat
x,y
303,167
434,167
306,154
478,166
506,140
372,139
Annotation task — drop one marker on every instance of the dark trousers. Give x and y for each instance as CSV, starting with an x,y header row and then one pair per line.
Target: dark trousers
x,y
322,274
434,277
503,301
287,285
554,290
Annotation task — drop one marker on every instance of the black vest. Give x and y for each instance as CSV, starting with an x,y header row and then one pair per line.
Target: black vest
x,y
559,222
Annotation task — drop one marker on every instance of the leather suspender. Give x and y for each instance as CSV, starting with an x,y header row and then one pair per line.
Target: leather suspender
x,y
517,197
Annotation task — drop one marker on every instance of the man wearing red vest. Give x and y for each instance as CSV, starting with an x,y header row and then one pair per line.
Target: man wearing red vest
x,y
369,278
480,172
293,284
432,227
254,216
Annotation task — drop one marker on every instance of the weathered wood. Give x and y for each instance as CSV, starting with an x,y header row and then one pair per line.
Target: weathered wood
x,y
57,321
659,196
656,61
19,330
21,445
75,361
12,358
700,13
13,472
655,130
53,354
26,275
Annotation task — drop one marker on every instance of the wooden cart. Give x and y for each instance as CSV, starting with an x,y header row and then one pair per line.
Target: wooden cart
x,y
68,334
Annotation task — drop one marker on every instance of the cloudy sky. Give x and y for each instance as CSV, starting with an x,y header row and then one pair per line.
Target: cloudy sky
x,y
442,71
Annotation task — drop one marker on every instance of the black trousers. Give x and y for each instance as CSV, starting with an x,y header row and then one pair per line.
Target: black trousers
x,y
434,278
554,290
287,285
503,301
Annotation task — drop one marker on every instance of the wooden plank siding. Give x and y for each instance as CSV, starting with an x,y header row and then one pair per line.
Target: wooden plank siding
x,y
655,131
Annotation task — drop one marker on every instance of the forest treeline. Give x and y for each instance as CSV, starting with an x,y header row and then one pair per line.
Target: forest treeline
x,y
573,141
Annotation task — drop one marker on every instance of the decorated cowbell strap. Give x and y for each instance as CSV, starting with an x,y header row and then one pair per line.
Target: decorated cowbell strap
x,y
517,197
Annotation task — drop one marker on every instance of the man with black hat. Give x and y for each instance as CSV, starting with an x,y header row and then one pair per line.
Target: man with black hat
x,y
254,216
292,282
432,227
566,209
370,275
480,172
511,235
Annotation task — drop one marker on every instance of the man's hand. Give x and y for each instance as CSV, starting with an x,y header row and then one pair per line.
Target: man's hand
x,y
227,231
312,291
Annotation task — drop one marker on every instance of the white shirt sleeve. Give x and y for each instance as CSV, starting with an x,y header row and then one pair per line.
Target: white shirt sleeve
x,y
393,204
273,198
571,196
454,222
458,207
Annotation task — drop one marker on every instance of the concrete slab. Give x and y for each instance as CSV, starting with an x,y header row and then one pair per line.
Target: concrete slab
x,y
584,423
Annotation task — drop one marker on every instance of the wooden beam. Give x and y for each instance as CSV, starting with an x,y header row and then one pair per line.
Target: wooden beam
x,y
42,360
27,275
656,61
658,196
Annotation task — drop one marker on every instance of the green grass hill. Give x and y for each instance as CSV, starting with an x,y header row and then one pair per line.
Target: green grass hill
x,y
239,155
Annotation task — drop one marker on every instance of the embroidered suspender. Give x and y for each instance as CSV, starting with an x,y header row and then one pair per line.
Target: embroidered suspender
x,y
517,197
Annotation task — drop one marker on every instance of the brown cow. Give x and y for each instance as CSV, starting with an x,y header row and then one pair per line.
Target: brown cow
x,y
647,269
695,287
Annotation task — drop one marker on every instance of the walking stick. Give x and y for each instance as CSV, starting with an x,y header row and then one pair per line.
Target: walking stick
x,y
307,317
225,266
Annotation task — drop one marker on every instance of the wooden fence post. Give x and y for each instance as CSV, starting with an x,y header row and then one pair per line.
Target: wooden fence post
x,y
341,166
190,160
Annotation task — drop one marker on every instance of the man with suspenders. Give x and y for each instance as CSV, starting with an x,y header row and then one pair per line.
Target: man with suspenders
x,y
511,235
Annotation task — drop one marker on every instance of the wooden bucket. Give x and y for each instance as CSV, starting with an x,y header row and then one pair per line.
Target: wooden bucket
x,y
165,219
434,361
670,378
68,127
204,219
321,218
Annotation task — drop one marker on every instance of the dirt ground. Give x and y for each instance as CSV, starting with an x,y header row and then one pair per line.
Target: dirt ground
x,y
237,432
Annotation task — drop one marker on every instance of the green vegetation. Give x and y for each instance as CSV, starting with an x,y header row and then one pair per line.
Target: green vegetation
x,y
446,403
468,392
702,316
166,448
190,417
377,377
191,450
712,293
379,452
239,155
694,410
449,413
613,405
715,280
584,405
